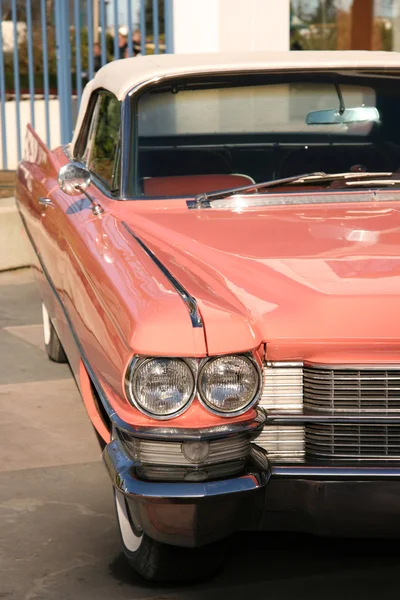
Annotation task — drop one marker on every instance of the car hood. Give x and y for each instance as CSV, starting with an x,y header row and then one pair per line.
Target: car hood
x,y
295,277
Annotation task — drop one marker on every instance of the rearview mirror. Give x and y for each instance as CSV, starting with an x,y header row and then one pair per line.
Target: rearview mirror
x,y
74,178
334,116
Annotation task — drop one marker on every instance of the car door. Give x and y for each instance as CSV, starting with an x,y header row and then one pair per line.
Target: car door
x,y
83,235
53,250
65,218
36,178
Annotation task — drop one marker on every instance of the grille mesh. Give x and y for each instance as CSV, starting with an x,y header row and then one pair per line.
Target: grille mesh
x,y
352,390
348,441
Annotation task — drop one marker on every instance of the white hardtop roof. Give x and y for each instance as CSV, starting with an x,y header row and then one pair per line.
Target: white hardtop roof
x,y
121,76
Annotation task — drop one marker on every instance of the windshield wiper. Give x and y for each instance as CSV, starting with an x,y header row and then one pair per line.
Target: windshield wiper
x,y
351,175
306,178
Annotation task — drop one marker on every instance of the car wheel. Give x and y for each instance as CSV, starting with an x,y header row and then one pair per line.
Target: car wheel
x,y
155,561
51,341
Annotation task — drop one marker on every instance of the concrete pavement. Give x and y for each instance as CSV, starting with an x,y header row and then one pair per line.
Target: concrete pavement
x,y
14,250
58,537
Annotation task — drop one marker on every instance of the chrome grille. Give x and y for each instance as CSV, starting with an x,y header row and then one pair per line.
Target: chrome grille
x,y
283,442
283,388
334,391
352,390
283,391
352,442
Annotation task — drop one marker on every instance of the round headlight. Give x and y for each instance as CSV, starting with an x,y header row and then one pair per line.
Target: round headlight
x,y
161,387
229,384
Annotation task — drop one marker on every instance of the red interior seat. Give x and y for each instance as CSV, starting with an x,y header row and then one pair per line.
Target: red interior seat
x,y
192,184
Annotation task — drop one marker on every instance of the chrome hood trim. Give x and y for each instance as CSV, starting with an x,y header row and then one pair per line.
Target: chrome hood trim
x,y
190,302
239,202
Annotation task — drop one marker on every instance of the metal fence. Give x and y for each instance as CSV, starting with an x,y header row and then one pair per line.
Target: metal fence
x,y
49,49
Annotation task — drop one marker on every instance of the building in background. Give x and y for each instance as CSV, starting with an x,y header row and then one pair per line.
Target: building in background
x,y
345,24
225,25
48,48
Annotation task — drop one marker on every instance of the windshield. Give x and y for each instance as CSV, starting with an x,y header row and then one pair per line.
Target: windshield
x,y
197,136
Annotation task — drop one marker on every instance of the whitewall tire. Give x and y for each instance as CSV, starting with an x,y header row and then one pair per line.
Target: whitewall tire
x,y
155,561
131,536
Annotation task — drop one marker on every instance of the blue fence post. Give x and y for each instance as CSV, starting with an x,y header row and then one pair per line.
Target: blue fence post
x,y
16,77
68,67
63,68
169,29
89,11
78,59
130,31
64,56
156,33
30,60
116,45
45,70
60,75
3,97
143,27
103,32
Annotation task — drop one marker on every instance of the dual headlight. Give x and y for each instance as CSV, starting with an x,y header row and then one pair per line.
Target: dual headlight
x,y
164,387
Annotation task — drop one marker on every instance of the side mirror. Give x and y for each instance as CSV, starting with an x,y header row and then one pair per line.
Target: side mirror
x,y
74,178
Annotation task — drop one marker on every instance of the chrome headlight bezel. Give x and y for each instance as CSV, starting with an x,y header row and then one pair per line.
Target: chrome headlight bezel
x,y
132,369
251,359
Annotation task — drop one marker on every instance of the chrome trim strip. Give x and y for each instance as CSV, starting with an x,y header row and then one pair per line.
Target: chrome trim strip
x,y
172,434
360,419
283,364
317,472
157,433
295,198
190,302
353,366
126,150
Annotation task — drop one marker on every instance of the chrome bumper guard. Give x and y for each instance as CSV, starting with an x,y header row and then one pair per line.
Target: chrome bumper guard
x,y
190,514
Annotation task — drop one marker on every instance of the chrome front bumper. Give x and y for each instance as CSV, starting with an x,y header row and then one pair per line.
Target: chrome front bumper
x,y
338,501
189,514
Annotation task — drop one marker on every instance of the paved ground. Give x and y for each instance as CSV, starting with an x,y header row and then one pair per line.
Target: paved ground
x,y
58,537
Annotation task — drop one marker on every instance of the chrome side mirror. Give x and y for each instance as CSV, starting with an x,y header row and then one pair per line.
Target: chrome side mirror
x,y
74,178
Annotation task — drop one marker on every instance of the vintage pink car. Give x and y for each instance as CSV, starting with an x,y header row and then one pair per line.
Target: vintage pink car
x,y
218,253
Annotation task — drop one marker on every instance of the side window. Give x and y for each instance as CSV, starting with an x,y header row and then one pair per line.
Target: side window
x,y
103,149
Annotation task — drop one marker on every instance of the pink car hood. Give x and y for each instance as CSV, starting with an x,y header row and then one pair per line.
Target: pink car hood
x,y
295,277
